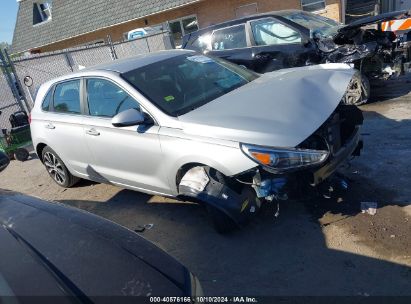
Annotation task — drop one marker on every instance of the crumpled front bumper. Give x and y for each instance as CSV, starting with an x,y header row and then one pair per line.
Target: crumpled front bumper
x,y
352,146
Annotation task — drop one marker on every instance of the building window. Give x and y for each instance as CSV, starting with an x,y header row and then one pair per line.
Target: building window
x,y
312,5
41,12
181,27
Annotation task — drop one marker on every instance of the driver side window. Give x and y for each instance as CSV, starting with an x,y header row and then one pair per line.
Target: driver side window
x,y
105,99
268,31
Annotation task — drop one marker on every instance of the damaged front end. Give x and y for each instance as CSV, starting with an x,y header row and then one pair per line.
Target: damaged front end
x,y
288,131
285,174
376,53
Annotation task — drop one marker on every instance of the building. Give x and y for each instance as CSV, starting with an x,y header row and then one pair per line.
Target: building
x,y
356,9
49,25
395,5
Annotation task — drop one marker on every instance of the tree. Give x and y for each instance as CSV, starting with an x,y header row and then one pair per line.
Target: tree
x,y
4,45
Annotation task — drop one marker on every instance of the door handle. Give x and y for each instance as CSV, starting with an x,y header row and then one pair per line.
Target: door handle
x,y
49,126
93,132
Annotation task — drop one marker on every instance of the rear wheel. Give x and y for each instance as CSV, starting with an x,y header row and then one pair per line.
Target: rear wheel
x,y
57,169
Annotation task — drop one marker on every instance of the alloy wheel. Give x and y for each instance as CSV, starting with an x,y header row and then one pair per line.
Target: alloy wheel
x,y
55,168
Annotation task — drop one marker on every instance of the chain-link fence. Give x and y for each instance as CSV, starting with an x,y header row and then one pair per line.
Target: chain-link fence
x,y
11,99
8,103
38,69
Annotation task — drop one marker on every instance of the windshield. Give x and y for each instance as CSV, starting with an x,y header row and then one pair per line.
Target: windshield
x,y
318,25
183,83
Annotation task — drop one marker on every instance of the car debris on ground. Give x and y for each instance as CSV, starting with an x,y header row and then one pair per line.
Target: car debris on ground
x,y
369,207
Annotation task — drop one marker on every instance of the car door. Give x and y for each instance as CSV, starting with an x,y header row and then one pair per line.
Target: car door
x,y
277,45
128,156
63,125
232,43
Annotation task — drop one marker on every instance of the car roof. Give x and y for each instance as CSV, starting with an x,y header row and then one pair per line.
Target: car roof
x,y
120,65
135,62
244,19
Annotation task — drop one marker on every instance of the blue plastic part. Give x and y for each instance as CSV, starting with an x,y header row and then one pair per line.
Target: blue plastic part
x,y
271,186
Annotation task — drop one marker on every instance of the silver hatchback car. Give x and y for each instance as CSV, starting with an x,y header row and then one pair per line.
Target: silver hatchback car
x,y
177,123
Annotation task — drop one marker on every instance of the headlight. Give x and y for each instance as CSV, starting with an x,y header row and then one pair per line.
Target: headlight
x,y
281,160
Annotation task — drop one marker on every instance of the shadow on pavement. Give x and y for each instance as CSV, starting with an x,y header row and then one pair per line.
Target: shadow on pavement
x,y
292,254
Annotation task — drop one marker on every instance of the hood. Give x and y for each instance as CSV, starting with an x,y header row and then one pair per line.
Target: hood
x,y
375,19
70,251
278,109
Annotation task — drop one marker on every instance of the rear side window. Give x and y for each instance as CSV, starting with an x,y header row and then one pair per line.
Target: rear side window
x,y
67,97
105,99
45,106
232,37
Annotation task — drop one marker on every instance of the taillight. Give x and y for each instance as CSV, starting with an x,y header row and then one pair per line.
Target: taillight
x,y
29,118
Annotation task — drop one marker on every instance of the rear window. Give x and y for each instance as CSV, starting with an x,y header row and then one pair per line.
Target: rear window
x,y
45,106
232,37
67,97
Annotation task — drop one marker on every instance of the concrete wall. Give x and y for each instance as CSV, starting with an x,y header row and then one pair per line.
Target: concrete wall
x,y
208,12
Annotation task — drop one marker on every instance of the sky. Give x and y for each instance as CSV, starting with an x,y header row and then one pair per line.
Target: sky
x,y
8,14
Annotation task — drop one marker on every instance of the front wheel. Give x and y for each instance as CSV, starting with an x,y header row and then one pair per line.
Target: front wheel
x,y
57,169
358,91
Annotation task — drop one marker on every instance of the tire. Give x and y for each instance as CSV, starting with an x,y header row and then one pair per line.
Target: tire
x,y
57,169
358,91
21,154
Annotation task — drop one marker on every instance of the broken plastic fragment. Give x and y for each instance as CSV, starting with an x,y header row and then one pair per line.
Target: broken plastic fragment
x,y
148,226
369,207
195,178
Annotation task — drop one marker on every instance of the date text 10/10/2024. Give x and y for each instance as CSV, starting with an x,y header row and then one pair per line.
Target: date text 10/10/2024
x,y
203,300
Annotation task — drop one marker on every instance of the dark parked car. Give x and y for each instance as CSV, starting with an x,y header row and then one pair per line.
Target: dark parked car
x,y
292,38
48,249
4,161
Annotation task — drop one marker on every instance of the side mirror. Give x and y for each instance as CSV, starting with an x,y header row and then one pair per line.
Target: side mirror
x,y
130,117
